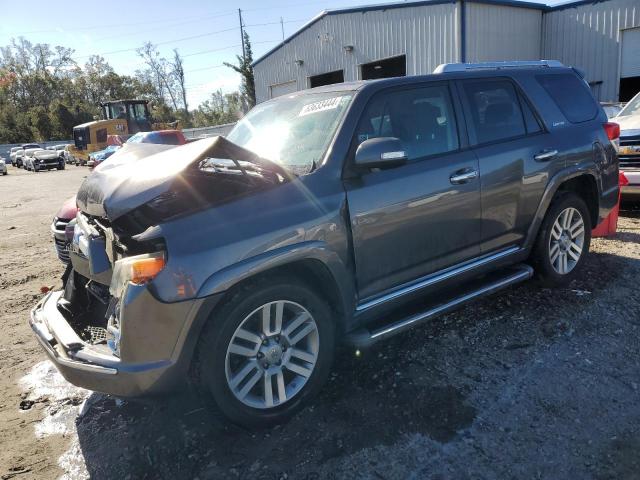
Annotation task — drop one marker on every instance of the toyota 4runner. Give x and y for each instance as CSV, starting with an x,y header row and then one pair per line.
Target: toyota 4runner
x,y
238,265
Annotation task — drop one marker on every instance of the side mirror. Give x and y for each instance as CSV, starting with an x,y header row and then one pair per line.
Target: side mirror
x,y
380,152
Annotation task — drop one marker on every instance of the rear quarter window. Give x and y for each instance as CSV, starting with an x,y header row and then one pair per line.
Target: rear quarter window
x,y
572,96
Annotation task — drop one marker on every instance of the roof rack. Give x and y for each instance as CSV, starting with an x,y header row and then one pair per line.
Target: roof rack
x,y
463,67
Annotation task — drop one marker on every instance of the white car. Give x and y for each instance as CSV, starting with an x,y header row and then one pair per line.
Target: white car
x,y
27,156
42,159
3,166
629,152
13,153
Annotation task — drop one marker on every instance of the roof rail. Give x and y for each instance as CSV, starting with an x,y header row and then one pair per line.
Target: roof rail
x,y
463,67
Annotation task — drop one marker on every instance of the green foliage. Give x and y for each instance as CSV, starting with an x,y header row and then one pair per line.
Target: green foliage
x,y
218,109
245,70
44,92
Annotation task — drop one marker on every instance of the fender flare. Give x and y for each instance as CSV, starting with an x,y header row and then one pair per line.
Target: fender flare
x,y
222,280
553,185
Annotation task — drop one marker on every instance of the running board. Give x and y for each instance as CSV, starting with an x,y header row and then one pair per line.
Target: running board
x,y
491,283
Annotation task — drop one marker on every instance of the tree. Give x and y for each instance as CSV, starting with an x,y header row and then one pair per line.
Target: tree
x,y
178,71
161,70
244,68
218,109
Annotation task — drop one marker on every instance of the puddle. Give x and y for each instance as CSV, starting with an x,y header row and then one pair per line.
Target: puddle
x,y
64,402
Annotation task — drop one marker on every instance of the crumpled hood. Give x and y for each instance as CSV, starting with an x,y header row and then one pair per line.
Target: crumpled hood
x,y
629,125
125,181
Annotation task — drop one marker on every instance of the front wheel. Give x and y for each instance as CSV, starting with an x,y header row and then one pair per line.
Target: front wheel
x,y
265,351
563,241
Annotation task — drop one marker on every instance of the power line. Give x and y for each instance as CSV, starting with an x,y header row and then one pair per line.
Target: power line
x,y
118,25
199,19
202,52
114,52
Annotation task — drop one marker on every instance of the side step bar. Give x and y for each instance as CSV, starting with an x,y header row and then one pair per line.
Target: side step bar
x,y
363,338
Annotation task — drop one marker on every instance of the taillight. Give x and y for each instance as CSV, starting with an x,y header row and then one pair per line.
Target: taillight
x,y
613,133
613,130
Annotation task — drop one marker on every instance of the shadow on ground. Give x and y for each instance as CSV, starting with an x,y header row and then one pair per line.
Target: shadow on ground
x,y
407,385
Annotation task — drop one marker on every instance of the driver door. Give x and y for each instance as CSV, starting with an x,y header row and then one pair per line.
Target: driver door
x,y
419,217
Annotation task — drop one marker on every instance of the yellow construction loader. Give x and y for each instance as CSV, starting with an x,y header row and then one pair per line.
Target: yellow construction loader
x,y
119,117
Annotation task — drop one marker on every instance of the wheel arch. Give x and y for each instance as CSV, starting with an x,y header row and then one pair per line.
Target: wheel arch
x,y
579,179
313,262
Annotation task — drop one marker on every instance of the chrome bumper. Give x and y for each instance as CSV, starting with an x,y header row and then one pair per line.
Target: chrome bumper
x,y
64,347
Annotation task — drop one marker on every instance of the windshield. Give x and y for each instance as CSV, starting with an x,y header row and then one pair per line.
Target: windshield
x,y
632,108
293,131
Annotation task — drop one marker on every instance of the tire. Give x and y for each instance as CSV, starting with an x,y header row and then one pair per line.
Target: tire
x,y
217,367
555,255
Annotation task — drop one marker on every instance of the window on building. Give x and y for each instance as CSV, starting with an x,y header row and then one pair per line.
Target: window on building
x,y
328,78
389,67
572,96
495,110
422,118
629,87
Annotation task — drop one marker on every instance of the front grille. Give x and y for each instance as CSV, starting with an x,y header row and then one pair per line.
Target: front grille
x,y
59,238
62,249
629,162
626,160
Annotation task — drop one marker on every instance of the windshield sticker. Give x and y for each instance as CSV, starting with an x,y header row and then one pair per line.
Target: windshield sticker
x,y
321,106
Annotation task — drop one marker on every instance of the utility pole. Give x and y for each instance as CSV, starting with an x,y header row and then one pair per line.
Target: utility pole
x,y
244,54
282,27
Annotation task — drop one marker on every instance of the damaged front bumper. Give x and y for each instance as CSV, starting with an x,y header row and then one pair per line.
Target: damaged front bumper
x,y
153,360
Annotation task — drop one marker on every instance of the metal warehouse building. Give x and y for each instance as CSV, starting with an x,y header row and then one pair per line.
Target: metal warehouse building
x,y
602,38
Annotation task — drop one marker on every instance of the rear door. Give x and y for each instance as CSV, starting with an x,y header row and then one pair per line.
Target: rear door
x,y
412,220
515,156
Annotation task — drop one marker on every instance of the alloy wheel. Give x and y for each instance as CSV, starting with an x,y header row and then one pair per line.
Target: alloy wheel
x,y
272,354
566,241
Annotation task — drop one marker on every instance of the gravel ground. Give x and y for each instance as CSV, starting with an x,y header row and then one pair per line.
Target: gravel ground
x,y
528,383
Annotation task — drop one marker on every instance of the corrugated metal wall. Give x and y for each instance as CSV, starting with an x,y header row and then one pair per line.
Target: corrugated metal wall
x,y
499,32
428,35
589,36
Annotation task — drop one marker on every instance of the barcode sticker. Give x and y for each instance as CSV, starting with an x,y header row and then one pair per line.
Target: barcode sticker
x,y
320,106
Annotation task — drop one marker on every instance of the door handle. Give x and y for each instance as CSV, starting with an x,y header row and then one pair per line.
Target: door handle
x,y
545,155
463,176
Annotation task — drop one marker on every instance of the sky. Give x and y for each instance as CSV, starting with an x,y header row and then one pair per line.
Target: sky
x,y
206,33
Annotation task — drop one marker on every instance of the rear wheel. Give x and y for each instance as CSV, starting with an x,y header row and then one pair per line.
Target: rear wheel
x,y
563,241
265,351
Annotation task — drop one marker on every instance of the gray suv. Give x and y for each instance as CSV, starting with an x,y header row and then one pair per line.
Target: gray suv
x,y
238,265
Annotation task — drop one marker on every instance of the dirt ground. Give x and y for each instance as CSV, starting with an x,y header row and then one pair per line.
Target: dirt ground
x,y
528,383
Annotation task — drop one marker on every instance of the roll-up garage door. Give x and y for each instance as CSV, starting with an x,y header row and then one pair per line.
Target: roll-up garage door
x,y
282,88
630,66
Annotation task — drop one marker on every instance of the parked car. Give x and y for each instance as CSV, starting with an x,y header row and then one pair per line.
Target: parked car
x,y
42,159
159,137
62,228
3,166
98,157
629,121
22,153
612,109
241,263
26,157
13,153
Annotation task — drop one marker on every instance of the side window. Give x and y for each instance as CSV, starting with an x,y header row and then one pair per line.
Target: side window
x,y
495,110
529,118
572,95
422,118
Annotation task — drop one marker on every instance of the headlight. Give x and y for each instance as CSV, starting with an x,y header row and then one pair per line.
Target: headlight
x,y
139,269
